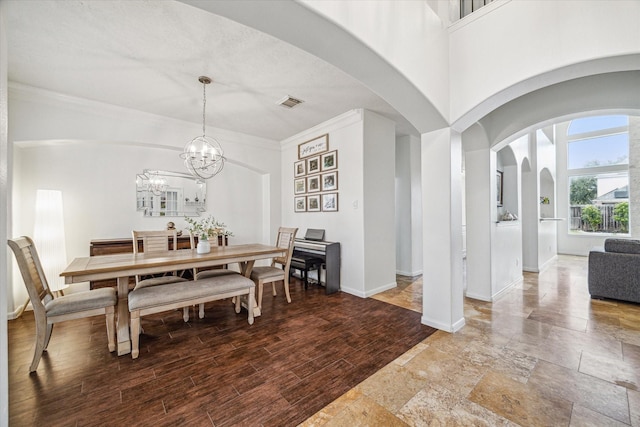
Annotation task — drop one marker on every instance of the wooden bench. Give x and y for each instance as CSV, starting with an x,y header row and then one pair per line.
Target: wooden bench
x,y
156,299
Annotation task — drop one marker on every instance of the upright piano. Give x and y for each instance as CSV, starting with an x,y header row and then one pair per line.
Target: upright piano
x,y
314,253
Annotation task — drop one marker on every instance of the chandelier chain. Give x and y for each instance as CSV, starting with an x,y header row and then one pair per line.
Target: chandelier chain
x,y
204,106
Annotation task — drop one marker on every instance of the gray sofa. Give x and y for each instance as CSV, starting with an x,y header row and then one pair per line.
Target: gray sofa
x,y
614,271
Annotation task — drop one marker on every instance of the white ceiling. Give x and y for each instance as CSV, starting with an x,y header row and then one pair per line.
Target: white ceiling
x,y
147,55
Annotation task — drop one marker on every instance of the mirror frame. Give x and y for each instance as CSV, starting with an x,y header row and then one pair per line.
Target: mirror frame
x,y
185,195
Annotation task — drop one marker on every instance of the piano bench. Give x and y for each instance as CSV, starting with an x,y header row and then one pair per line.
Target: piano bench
x,y
306,263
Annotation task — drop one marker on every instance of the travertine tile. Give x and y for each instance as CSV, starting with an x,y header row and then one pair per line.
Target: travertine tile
x,y
615,371
365,412
437,406
446,369
392,386
634,407
402,360
520,403
558,382
585,417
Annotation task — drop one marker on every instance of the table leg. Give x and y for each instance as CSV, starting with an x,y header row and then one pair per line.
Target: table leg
x,y
245,270
124,340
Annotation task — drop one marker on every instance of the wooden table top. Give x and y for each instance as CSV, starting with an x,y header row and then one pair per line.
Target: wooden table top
x,y
118,265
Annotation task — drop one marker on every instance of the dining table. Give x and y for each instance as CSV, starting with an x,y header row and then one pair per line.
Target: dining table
x,y
123,266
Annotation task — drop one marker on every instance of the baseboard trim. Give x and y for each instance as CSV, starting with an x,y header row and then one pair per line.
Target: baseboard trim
x,y
454,327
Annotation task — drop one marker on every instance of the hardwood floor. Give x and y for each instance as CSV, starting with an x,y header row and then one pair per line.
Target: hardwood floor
x,y
218,371
544,354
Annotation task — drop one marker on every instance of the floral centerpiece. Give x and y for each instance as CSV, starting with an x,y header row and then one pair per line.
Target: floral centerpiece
x,y
207,227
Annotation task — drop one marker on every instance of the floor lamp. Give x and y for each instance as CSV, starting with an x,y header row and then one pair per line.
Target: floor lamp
x,y
49,237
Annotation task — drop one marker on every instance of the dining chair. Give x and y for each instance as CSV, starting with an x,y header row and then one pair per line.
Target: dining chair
x,y
199,275
156,241
202,274
49,310
279,269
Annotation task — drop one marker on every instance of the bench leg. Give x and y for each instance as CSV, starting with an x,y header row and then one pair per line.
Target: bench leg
x,y
250,304
135,334
111,327
237,303
201,311
260,290
185,313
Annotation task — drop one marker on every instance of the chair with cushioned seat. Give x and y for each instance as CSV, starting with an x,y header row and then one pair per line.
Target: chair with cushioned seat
x,y
156,241
279,269
48,310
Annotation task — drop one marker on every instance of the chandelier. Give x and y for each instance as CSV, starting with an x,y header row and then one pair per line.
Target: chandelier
x,y
157,184
203,155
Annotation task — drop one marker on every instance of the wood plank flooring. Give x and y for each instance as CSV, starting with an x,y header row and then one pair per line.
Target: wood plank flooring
x,y
293,361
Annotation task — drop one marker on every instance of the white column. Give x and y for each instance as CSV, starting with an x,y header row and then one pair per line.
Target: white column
x,y
5,298
442,301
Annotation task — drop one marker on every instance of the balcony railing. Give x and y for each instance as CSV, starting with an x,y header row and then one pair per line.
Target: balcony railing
x,y
469,6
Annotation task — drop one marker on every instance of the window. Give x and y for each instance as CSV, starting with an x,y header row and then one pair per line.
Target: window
x,y
598,171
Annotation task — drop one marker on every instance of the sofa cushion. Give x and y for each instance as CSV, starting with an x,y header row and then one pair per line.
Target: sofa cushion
x,y
626,246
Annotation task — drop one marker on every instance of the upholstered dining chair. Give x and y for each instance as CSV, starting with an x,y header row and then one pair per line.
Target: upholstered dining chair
x,y
49,310
279,269
156,241
203,274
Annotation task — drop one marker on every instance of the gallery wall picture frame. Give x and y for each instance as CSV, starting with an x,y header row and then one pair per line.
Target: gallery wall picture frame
x,y
313,183
499,187
313,146
313,165
299,168
299,186
300,204
313,203
330,202
329,181
329,161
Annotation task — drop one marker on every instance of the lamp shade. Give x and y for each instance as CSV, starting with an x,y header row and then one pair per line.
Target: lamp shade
x,y
49,237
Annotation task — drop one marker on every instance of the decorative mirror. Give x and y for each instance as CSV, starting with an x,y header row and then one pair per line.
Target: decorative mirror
x,y
166,193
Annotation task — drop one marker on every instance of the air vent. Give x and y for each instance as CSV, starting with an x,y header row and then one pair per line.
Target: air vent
x,y
289,102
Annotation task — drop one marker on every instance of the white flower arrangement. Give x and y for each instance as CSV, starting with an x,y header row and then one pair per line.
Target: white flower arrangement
x,y
207,227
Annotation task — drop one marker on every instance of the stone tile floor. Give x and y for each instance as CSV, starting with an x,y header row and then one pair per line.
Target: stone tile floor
x,y
544,354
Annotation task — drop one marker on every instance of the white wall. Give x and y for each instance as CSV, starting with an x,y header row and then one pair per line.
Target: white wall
x,y
491,69
378,205
351,135
92,152
409,27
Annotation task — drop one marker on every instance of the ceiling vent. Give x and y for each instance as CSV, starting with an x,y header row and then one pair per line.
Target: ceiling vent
x,y
289,102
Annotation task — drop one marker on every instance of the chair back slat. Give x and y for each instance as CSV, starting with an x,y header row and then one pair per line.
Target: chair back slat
x,y
286,239
32,273
154,241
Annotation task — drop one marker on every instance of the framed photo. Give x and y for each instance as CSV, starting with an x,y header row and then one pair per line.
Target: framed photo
x,y
300,204
300,186
329,161
313,203
313,183
330,202
312,147
313,165
300,168
499,187
330,181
